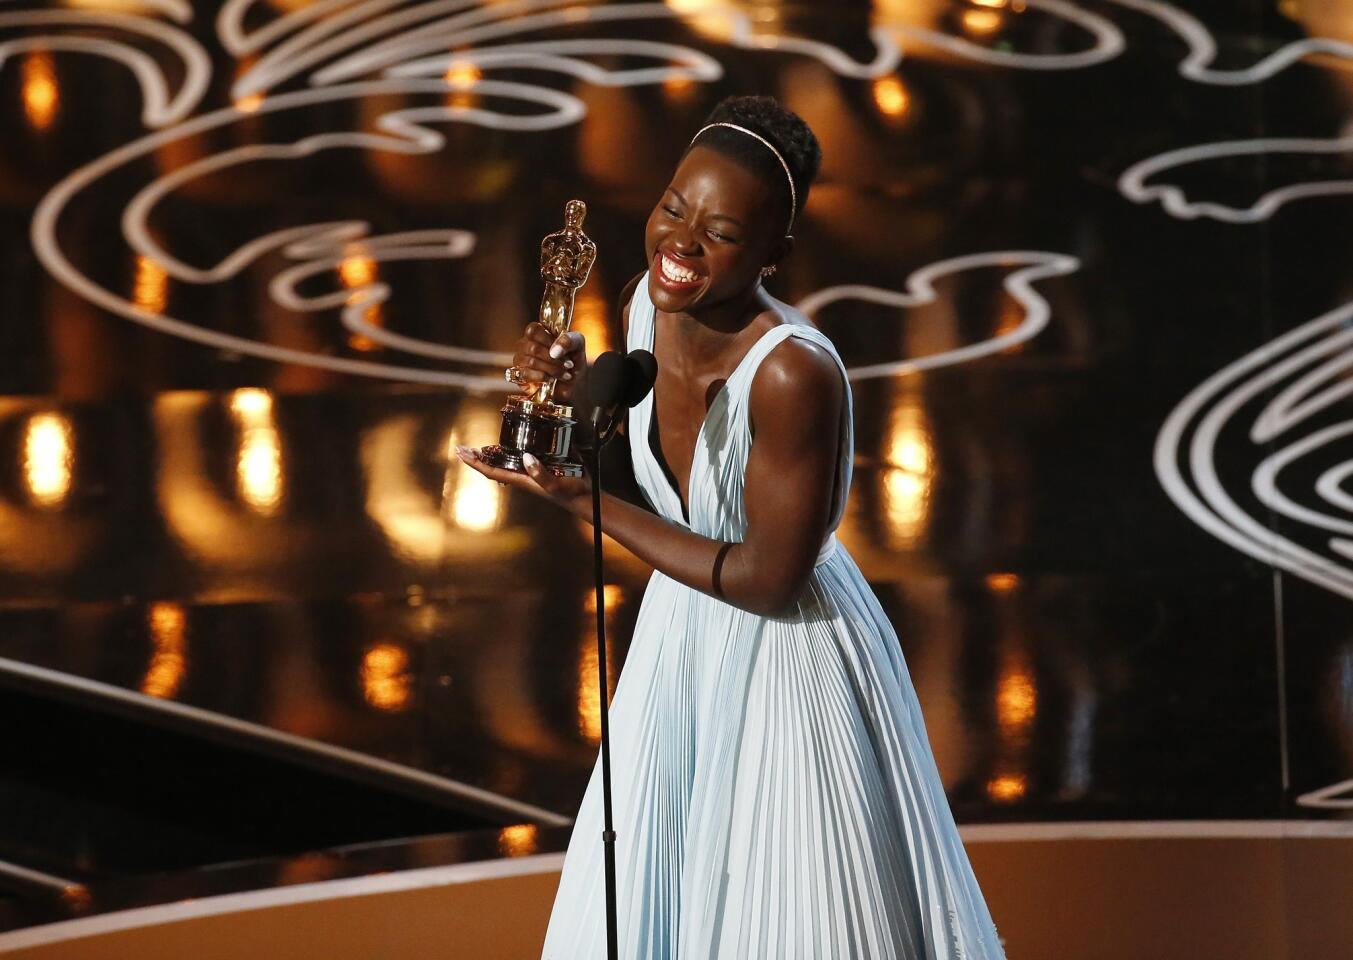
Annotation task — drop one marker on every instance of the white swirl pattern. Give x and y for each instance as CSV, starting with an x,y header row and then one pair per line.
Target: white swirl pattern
x,y
159,106
360,35
1306,364
1033,265
1133,182
407,42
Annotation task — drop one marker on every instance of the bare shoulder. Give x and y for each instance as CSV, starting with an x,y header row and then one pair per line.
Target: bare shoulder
x,y
798,369
802,376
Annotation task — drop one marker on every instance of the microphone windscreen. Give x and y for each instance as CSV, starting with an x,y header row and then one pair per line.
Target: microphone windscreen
x,y
641,374
606,380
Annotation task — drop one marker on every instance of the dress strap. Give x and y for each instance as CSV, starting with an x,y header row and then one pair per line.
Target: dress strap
x,y
639,335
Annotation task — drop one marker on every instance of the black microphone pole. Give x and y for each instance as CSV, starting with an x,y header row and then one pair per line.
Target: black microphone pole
x,y
604,386
614,382
607,834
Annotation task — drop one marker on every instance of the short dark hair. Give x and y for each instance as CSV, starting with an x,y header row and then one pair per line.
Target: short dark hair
x,y
782,127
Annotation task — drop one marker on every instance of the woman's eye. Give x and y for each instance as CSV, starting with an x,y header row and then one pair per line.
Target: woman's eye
x,y
671,212
721,237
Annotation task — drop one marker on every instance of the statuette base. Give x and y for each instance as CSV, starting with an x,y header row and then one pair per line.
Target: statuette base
x,y
543,430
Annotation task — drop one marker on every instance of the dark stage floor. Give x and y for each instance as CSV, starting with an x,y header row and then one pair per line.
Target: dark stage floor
x,y
259,265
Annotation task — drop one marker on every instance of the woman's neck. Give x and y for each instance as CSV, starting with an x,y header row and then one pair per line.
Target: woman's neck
x,y
707,334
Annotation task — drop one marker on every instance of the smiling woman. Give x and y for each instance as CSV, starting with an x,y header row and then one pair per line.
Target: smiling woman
x,y
774,790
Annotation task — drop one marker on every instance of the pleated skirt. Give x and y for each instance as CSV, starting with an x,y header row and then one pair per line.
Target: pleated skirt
x,y
774,793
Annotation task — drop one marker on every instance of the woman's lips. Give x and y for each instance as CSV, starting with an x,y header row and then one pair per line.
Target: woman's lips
x,y
672,275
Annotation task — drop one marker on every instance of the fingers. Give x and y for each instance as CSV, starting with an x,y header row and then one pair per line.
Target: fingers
x,y
564,352
566,491
568,343
543,478
541,357
572,493
470,457
535,476
535,369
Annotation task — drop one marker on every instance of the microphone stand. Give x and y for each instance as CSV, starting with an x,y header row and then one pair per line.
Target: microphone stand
x,y
608,833
624,379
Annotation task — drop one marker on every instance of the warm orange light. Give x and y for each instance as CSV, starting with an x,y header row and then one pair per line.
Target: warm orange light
x,y
251,103
41,94
463,74
589,319
1016,701
891,97
252,405
1002,582
589,697
168,628
150,288
678,89
981,22
610,593
475,502
258,468
906,473
1008,788
709,18
355,272
77,897
1011,317
360,341
518,840
48,458
386,683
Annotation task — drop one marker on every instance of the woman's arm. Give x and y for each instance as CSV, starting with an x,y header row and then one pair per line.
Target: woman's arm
x,y
796,403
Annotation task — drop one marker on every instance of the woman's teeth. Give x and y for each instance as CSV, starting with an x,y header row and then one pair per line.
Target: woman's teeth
x,y
675,273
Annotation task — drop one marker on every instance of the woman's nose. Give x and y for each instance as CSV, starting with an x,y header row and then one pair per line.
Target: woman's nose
x,y
684,241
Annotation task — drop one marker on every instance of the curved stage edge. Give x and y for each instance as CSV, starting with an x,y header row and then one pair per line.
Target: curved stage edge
x,y
1239,890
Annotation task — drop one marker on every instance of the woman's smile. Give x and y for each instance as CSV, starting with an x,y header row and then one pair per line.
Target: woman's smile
x,y
675,273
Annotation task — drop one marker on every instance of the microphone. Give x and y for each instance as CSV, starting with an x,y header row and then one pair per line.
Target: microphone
x,y
616,381
605,384
642,369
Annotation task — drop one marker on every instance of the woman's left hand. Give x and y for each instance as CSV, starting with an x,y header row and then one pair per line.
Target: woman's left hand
x,y
572,493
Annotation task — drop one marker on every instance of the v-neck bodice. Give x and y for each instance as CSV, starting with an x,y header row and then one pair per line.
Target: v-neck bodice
x,y
714,492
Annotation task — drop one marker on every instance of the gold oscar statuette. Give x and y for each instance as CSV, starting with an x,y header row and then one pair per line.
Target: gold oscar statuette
x,y
532,422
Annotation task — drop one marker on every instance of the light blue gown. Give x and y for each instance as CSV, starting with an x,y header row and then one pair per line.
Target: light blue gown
x,y
774,792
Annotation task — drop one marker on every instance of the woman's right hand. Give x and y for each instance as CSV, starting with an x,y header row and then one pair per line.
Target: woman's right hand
x,y
541,357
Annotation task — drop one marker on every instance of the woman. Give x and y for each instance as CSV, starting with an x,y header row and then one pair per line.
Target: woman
x,y
774,793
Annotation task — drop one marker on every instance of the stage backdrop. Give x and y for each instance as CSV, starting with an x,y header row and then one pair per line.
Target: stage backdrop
x,y
262,263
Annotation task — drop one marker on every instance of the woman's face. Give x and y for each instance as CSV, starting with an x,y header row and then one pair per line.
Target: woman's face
x,y
710,234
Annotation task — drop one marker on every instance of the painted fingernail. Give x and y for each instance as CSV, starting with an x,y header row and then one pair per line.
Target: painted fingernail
x,y
567,375
530,460
556,350
568,364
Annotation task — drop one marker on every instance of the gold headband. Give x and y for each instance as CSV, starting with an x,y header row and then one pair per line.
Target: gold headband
x,y
789,178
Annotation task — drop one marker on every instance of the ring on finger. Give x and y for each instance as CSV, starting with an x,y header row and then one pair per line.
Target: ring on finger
x,y
515,374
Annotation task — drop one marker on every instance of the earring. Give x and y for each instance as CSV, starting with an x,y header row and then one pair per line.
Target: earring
x,y
767,271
